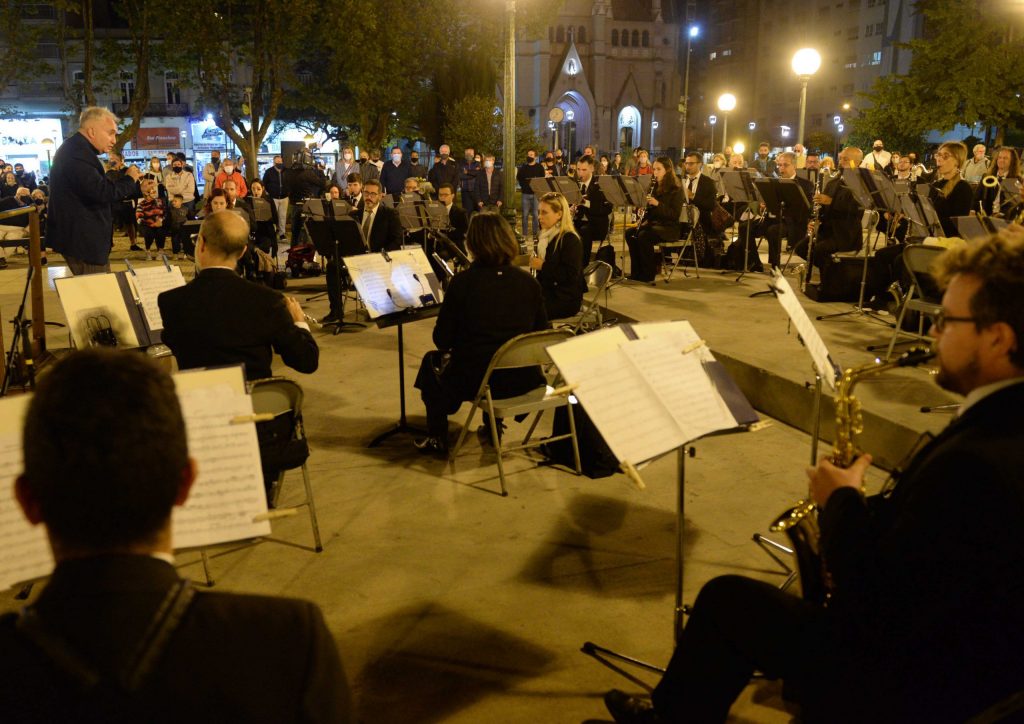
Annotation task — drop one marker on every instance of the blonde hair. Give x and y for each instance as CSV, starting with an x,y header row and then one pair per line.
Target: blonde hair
x,y
957,150
557,202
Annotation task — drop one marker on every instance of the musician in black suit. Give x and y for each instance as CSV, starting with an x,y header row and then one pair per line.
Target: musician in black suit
x,y
924,621
484,307
103,483
381,226
591,219
660,222
701,191
794,225
458,222
219,318
840,216
558,261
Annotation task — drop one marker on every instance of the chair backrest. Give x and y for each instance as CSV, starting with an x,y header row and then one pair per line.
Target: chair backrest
x,y
527,350
275,395
689,215
918,259
598,274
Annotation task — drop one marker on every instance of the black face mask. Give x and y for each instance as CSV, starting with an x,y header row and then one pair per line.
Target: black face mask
x,y
444,156
215,162
414,161
531,160
279,166
178,169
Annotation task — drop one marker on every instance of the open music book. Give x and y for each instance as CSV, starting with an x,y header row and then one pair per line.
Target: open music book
x,y
826,368
227,499
651,387
394,281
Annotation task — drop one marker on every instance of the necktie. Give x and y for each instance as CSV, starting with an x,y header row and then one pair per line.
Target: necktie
x,y
693,182
367,223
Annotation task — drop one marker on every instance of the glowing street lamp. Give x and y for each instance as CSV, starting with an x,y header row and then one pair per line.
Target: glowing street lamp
x,y
684,102
726,103
806,62
712,120
738,147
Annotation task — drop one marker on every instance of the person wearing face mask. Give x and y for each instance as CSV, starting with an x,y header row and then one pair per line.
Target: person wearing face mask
x,y
210,172
229,170
468,170
526,173
275,183
369,166
416,169
155,172
346,164
395,172
181,182
444,170
879,159
489,190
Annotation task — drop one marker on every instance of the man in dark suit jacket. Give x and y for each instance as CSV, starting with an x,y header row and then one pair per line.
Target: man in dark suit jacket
x,y
219,318
488,191
924,619
80,221
380,224
458,221
841,216
116,635
591,219
700,191
395,172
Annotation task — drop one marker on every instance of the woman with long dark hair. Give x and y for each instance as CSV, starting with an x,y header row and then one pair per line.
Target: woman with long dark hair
x,y
660,222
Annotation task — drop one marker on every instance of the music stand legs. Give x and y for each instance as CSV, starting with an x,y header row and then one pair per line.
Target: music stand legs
x,y
403,425
859,310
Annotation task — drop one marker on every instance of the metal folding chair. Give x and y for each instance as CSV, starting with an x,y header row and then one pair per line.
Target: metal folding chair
x,y
691,216
598,275
918,259
526,350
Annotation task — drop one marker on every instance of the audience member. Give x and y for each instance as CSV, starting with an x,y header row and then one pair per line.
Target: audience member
x,y
469,168
275,183
345,165
210,172
394,174
150,215
444,170
526,173
489,190
181,182
230,171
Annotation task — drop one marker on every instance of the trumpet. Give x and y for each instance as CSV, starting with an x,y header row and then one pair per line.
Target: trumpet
x,y
990,182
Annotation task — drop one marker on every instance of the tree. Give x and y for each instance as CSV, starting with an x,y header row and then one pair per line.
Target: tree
x,y
963,71
476,121
17,39
264,37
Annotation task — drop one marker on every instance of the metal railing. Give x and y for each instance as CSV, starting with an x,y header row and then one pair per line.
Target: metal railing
x,y
36,290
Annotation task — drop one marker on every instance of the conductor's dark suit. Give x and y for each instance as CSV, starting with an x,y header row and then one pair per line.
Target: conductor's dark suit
x,y
79,218
925,620
232,658
220,319
591,221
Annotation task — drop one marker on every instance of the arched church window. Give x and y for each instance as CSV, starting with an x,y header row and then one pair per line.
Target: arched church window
x,y
615,38
625,38
581,35
647,39
560,35
635,40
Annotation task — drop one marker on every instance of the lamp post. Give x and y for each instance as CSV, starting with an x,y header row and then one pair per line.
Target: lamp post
x,y
806,62
751,126
569,116
684,101
712,120
654,127
726,103
509,114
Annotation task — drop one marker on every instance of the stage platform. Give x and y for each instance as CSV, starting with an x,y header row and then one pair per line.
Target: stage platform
x,y
452,604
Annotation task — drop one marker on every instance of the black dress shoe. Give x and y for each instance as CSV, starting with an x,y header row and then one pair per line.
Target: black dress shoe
x,y
329,317
432,446
626,709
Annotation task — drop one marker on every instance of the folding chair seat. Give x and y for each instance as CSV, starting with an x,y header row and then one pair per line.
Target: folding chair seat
x,y
690,216
526,350
921,297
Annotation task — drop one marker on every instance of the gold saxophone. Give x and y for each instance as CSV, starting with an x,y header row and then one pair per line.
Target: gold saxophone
x,y
800,523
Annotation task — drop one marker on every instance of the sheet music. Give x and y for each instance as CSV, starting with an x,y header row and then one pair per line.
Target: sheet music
x,y
228,491
148,283
91,295
391,284
26,552
805,328
371,274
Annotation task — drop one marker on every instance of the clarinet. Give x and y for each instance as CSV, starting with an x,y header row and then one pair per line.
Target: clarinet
x,y
815,221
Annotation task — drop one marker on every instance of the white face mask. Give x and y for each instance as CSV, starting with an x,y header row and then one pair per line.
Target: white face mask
x,y
488,164
348,156
397,158
229,170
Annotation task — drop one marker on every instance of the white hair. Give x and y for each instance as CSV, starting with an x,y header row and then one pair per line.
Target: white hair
x,y
977,146
93,114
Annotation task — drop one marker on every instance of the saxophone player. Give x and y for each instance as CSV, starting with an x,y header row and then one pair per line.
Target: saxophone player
x,y
924,621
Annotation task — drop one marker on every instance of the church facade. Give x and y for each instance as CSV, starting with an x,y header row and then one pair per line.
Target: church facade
x,y
608,73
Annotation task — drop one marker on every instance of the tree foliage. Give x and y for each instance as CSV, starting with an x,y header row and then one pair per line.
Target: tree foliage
x,y
964,70
17,41
476,121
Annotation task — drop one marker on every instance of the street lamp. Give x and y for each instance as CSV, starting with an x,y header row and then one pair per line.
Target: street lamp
x,y
509,145
47,143
712,120
569,116
738,147
751,126
654,127
684,101
726,103
806,62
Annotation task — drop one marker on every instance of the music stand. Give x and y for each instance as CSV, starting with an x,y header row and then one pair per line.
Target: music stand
x,y
920,211
334,237
978,227
623,192
874,191
739,187
559,185
780,195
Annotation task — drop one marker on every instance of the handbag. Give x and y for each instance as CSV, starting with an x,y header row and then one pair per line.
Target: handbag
x,y
720,218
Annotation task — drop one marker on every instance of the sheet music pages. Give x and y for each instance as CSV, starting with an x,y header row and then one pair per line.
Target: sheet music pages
x,y
622,404
26,552
371,274
228,492
148,283
91,295
805,328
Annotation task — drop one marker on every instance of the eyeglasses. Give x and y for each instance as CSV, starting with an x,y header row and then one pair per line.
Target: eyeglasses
x,y
943,155
942,319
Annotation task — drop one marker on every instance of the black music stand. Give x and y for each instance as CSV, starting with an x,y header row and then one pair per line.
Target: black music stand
x,y
336,235
875,192
739,187
781,195
559,185
623,192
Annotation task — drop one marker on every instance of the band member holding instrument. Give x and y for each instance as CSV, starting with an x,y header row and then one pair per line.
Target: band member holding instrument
x,y
591,217
989,197
660,222
558,258
840,228
950,194
924,621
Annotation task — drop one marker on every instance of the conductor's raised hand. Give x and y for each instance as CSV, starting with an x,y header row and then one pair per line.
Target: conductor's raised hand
x,y
826,478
